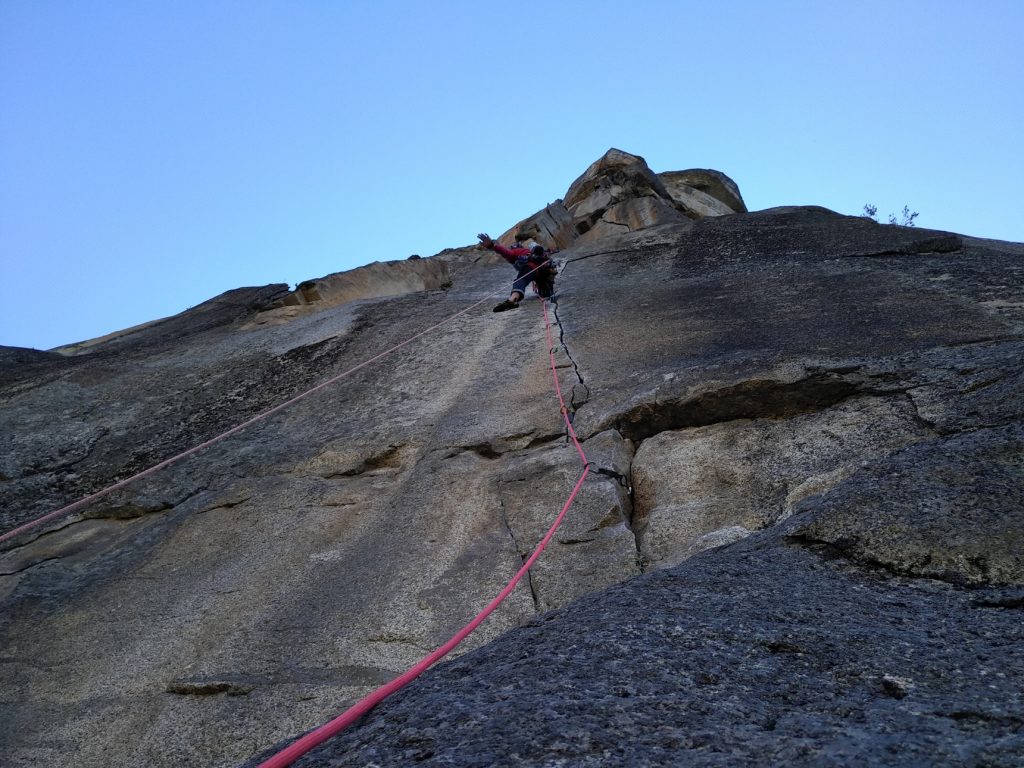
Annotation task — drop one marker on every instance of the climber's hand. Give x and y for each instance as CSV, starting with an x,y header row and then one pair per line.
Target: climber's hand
x,y
485,240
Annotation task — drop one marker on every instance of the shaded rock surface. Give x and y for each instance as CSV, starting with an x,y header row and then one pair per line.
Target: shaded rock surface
x,y
762,653
948,509
805,427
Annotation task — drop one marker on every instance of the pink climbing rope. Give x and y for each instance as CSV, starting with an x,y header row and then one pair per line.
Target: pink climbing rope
x,y
84,502
319,735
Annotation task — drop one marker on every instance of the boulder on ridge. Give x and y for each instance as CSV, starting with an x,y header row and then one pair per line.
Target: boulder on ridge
x,y
692,189
619,193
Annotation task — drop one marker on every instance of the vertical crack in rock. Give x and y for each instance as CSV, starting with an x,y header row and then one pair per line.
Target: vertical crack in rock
x,y
519,553
620,469
620,479
627,482
574,404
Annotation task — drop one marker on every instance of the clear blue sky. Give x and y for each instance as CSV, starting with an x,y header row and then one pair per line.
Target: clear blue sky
x,y
155,154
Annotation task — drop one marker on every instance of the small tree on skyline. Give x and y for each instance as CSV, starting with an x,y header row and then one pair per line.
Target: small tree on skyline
x,y
907,219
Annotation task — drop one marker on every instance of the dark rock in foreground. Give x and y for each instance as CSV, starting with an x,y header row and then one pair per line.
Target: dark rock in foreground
x,y
768,652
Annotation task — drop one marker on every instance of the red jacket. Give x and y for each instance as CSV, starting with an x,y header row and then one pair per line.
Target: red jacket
x,y
511,254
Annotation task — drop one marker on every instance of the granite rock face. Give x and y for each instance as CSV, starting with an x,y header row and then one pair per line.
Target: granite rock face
x,y
553,227
393,278
618,194
948,509
799,541
699,184
761,653
747,474
617,179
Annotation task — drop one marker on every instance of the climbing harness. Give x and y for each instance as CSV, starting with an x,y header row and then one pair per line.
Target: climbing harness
x,y
316,737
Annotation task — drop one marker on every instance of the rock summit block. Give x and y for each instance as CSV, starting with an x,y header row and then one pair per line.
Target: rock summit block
x,y
619,193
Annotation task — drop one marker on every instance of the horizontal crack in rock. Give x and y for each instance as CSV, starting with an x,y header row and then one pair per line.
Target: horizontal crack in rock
x,y
208,688
756,399
973,715
926,247
1001,601
33,564
847,550
495,449
389,458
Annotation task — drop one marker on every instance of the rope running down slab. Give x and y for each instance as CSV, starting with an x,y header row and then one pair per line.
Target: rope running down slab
x,y
87,500
319,735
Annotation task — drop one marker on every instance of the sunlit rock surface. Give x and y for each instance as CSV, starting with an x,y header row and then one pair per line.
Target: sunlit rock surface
x,y
704,192
619,193
799,542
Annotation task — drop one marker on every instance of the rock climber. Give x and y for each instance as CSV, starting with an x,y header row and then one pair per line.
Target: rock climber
x,y
532,265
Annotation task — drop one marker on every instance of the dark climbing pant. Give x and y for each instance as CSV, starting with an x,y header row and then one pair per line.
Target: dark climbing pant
x,y
543,277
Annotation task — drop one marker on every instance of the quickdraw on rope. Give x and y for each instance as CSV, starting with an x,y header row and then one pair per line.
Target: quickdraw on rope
x,y
316,737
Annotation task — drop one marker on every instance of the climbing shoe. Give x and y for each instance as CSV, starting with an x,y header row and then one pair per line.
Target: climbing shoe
x,y
506,304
